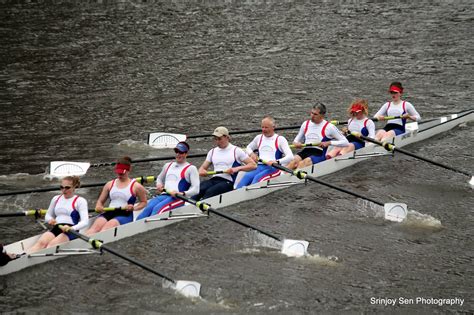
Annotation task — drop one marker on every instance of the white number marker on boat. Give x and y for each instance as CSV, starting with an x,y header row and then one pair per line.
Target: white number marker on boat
x,y
295,248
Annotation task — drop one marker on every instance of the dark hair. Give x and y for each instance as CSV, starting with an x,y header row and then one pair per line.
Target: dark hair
x,y
76,182
321,107
124,160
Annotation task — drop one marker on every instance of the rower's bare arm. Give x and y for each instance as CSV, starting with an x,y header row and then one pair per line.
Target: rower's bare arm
x,y
249,165
99,206
297,145
203,169
253,156
140,192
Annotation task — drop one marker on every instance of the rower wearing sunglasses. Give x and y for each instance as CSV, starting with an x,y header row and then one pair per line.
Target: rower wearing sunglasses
x,y
123,193
66,211
395,107
176,177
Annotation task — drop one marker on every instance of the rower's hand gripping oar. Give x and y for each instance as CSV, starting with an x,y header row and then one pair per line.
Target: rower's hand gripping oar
x,y
396,212
186,288
391,147
141,180
291,248
38,213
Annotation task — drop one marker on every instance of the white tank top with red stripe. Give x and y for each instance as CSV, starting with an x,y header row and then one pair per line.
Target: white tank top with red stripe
x,y
119,197
64,209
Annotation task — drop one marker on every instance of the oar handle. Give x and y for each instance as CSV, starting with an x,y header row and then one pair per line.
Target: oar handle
x,y
206,207
387,118
316,144
216,172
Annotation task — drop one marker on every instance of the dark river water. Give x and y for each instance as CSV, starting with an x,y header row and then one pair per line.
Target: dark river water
x,y
89,80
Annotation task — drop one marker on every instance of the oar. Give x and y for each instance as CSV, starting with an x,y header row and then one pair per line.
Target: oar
x,y
339,122
306,145
37,213
65,168
216,172
391,147
186,288
396,212
141,180
292,248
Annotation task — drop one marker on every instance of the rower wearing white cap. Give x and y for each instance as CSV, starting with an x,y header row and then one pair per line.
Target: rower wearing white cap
x,y
176,177
227,160
321,134
271,148
358,122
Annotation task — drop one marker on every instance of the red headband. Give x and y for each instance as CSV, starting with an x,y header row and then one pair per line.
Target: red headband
x,y
121,168
394,88
357,108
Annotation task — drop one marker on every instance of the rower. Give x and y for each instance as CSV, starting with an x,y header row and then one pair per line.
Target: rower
x,y
66,211
272,148
176,177
358,122
395,107
319,132
123,193
226,158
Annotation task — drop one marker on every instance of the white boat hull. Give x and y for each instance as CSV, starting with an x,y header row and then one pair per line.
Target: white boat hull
x,y
426,130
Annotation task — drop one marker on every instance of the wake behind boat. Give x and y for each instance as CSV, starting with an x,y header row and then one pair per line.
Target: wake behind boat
x,y
424,131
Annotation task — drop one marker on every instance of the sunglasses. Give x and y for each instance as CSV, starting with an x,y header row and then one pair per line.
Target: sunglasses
x,y
179,152
65,187
393,92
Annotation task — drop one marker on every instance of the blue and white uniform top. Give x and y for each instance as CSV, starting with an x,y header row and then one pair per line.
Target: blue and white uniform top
x,y
324,131
274,148
365,126
224,159
71,210
120,197
182,177
401,108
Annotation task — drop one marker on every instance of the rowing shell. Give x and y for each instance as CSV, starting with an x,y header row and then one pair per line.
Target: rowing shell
x,y
78,247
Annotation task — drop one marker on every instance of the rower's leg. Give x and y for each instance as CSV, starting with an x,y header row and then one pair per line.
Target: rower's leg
x,y
96,226
247,179
305,162
294,163
388,135
111,224
334,152
61,238
380,134
347,149
42,242
219,188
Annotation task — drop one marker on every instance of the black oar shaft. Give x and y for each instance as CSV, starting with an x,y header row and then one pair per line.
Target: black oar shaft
x,y
206,207
391,147
100,245
303,175
240,132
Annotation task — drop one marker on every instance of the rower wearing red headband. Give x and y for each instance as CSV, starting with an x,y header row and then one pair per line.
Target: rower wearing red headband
x,y
123,193
358,122
395,107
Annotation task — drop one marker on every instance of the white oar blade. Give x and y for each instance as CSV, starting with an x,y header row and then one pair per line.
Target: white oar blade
x,y
295,248
471,182
188,288
66,168
396,212
161,140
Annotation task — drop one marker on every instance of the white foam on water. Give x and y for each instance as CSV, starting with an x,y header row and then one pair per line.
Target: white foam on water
x,y
331,261
416,219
